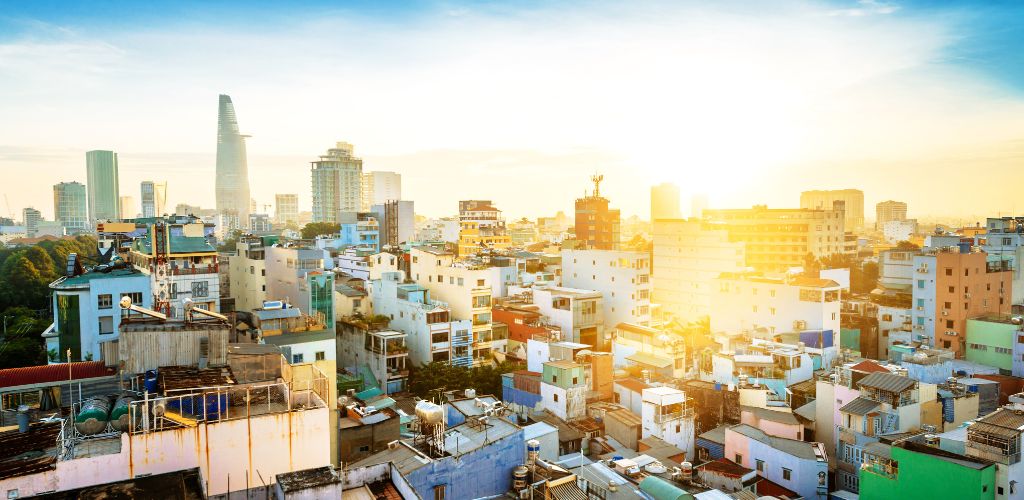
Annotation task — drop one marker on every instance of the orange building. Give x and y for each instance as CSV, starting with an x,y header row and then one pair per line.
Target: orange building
x,y
597,225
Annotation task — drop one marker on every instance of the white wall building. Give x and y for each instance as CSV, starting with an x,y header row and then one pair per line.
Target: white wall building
x,y
896,231
687,258
578,313
779,304
444,229
622,277
666,414
379,188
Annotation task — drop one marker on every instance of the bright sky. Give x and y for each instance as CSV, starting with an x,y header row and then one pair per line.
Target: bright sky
x,y
520,102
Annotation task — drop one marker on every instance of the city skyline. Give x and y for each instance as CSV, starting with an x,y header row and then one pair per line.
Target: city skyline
x,y
739,112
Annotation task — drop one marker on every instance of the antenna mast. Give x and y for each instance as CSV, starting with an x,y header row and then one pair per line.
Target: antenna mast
x,y
596,179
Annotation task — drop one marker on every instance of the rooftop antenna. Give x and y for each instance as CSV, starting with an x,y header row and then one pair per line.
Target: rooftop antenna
x,y
126,304
596,179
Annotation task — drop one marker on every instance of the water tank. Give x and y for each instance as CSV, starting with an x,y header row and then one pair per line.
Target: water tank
x,y
149,381
655,468
120,418
687,469
23,417
519,477
532,451
470,393
93,415
430,413
272,304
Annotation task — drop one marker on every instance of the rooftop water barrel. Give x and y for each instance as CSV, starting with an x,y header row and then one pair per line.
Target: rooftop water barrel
x,y
93,415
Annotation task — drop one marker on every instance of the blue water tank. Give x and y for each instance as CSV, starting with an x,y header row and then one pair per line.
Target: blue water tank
x,y
149,381
718,386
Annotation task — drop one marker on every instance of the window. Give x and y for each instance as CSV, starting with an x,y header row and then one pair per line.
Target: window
x,y
320,356
555,396
575,380
461,282
787,474
104,301
952,289
771,293
480,282
201,289
554,379
739,459
439,492
920,283
174,291
296,358
886,317
136,297
364,449
947,305
760,465
949,271
106,325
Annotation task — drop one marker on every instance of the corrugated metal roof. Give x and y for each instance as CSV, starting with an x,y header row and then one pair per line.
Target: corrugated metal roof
x,y
869,366
632,384
807,411
566,491
13,377
888,382
625,416
649,359
860,406
782,417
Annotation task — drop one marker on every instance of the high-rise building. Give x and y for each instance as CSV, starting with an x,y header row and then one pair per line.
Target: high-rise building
x,y
698,204
154,198
665,202
127,208
102,184
379,188
687,256
481,226
71,206
30,218
336,183
597,226
889,211
852,199
232,165
287,208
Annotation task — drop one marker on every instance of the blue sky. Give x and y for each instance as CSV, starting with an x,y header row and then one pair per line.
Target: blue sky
x,y
748,101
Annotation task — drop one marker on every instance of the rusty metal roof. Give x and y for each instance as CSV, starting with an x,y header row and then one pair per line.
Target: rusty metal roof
x,y
13,377
888,382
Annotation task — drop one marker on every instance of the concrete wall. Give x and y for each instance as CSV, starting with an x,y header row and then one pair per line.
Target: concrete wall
x,y
804,472
622,277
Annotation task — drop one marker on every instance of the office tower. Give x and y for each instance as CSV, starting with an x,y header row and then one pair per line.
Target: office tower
x,y
379,188
665,202
154,198
336,183
777,239
31,218
232,166
127,208
698,204
889,211
287,208
102,184
71,206
853,200
597,225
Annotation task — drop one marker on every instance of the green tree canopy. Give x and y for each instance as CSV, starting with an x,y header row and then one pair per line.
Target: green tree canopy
x,y
314,229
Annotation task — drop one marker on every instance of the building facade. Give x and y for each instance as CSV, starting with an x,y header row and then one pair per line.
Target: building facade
x,y
597,225
102,183
889,211
778,239
336,183
286,208
232,182
379,188
852,201
481,227
154,198
295,274
688,255
70,207
622,277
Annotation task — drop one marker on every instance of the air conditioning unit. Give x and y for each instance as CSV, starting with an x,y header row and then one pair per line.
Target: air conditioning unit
x,y
799,325
967,295
951,333
945,313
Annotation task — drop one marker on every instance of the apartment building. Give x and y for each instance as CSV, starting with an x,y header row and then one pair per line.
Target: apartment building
x,y
286,208
775,304
667,414
1003,240
176,254
687,256
248,274
579,314
462,284
397,221
777,239
953,284
295,274
799,466
997,437
622,277
379,188
432,334
597,224
336,183
850,200
889,211
481,227
381,353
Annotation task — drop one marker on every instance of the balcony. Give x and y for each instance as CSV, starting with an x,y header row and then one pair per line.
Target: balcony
x,y
675,415
188,271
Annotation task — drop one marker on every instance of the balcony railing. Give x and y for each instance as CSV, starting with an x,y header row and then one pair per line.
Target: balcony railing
x,y
675,415
187,271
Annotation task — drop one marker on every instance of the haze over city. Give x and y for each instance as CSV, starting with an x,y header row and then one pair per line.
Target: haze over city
x,y
747,102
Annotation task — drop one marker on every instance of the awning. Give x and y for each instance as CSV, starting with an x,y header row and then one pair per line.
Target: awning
x,y
650,360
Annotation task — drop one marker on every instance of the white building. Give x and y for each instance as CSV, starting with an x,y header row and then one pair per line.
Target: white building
x,y
260,223
666,414
578,313
623,278
397,221
687,257
464,285
286,208
379,188
777,304
896,231
336,182
431,332
296,275
444,229
248,274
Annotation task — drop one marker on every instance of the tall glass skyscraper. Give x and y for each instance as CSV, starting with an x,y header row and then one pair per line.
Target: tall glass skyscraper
x,y
232,166
102,183
70,206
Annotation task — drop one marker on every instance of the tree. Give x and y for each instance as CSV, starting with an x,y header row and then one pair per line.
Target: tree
x,y
230,242
427,379
23,283
906,245
314,229
22,345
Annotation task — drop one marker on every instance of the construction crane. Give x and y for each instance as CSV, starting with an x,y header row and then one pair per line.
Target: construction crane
x,y
9,211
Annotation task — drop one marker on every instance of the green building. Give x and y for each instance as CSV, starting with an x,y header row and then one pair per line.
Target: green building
x,y
70,206
102,183
913,470
990,341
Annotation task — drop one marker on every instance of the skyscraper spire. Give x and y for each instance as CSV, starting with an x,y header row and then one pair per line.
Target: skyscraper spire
x,y
232,166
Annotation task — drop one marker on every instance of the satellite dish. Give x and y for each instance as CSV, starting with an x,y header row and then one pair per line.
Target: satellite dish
x,y
126,302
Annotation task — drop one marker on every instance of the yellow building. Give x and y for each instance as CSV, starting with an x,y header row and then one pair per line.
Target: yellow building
x,y
777,239
481,226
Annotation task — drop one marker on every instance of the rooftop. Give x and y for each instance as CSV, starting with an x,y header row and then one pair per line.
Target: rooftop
x,y
725,467
888,382
308,478
716,435
299,337
869,366
28,453
860,406
801,449
171,378
178,244
782,417
83,280
58,372
632,384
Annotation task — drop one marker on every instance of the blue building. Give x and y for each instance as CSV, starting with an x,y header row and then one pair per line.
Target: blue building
x,y
477,461
86,311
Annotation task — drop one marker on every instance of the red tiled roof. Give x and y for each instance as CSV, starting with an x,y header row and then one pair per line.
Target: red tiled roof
x,y
768,488
869,367
632,384
11,377
528,373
